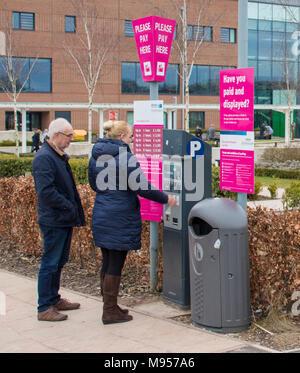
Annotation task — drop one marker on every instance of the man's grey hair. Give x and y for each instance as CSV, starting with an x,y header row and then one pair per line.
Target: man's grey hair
x,y
58,125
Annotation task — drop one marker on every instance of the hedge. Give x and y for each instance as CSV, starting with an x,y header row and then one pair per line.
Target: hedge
x,y
274,242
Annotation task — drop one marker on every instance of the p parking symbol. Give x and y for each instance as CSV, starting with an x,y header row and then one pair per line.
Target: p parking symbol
x,y
195,148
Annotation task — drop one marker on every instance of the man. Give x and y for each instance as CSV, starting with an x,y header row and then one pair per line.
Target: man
x,y
211,133
35,141
269,130
198,132
59,210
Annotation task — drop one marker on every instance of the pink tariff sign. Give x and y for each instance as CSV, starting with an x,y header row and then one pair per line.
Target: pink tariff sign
x,y
237,170
148,149
237,99
154,36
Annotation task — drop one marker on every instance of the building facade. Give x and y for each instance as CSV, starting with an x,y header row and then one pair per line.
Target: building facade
x,y
42,32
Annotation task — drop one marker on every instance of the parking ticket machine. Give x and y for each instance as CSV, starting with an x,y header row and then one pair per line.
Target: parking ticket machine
x,y
187,176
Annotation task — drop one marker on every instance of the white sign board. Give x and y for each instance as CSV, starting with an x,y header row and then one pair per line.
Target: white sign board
x,y
148,112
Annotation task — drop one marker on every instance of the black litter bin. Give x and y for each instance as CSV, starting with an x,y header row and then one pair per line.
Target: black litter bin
x,y
219,265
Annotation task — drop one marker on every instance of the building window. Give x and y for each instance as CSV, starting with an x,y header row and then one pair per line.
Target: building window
x,y
23,21
70,24
128,29
132,80
63,114
200,33
196,118
228,35
204,80
39,80
33,120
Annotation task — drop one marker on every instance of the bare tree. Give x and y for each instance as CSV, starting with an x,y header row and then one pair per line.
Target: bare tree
x,y
14,71
188,54
289,67
91,46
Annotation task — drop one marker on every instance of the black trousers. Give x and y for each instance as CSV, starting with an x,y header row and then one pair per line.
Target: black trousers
x,y
113,261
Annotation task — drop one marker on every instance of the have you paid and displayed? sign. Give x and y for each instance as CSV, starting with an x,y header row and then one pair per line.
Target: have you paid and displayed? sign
x,y
237,130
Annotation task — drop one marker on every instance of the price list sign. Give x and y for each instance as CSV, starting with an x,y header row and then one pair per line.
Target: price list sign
x,y
147,146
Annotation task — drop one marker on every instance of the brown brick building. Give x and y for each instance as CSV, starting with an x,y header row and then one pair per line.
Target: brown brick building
x,y
42,29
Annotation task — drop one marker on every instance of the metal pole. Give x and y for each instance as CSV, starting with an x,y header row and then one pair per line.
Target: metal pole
x,y
24,131
242,63
153,224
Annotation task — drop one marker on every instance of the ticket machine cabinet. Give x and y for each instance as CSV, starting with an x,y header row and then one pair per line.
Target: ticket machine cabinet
x,y
189,180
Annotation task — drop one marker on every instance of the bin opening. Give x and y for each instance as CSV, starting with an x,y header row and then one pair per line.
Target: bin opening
x,y
201,227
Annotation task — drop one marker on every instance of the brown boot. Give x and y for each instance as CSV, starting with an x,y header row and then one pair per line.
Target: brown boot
x,y
111,313
102,276
51,315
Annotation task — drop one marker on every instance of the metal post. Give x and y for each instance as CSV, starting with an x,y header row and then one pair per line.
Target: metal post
x,y
153,224
242,63
24,131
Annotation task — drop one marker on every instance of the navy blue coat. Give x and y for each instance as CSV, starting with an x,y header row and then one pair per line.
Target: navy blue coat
x,y
59,203
116,222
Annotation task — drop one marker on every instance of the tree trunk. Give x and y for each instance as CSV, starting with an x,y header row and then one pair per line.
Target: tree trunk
x,y
16,130
90,121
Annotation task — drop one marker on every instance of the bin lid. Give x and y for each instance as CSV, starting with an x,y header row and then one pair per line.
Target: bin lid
x,y
221,213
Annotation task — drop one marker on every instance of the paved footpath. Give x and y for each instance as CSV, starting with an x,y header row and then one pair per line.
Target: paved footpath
x,y
151,331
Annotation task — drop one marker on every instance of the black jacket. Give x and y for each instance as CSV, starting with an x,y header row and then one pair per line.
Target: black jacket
x,y
59,203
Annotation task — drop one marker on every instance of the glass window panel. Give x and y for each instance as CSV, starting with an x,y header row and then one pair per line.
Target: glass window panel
x,y
291,27
21,71
264,45
264,25
171,83
291,74
141,86
252,63
278,13
203,80
252,10
129,118
63,114
265,11
278,26
232,35
40,77
193,81
278,76
128,77
70,24
27,21
252,44
278,46
214,80
290,43
252,24
264,71
196,118
292,14
128,29
224,35
16,20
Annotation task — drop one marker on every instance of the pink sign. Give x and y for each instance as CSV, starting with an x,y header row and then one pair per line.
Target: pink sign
x,y
237,170
152,168
154,36
148,148
237,99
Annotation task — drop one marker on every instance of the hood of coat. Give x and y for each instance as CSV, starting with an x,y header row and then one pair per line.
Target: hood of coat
x,y
108,146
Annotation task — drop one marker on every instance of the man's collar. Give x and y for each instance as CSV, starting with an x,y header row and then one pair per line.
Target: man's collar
x,y
57,149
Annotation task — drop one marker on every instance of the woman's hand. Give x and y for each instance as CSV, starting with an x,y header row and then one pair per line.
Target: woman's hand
x,y
172,201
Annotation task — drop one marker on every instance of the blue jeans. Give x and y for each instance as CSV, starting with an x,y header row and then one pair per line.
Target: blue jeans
x,y
57,242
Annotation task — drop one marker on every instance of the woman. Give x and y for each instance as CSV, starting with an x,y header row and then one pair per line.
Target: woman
x,y
115,175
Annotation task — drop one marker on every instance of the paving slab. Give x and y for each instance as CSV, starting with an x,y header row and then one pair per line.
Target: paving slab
x,y
152,329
